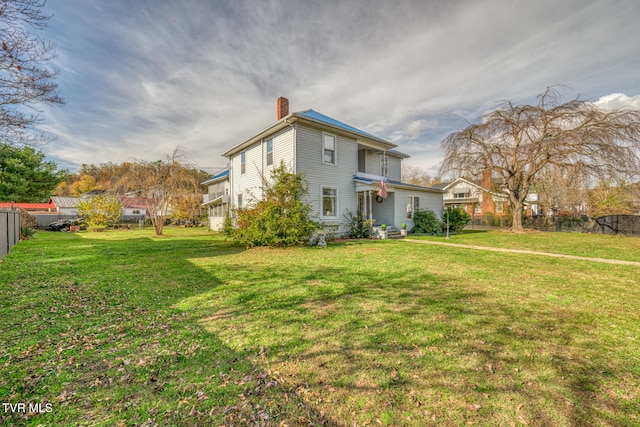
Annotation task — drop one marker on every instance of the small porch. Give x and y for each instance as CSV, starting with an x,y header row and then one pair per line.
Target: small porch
x,y
374,208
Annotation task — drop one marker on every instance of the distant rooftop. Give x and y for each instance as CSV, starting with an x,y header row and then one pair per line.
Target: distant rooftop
x,y
217,176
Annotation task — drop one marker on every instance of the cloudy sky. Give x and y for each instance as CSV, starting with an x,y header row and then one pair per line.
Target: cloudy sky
x,y
142,77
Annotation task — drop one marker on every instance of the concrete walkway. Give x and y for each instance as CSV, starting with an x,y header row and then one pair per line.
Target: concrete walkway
x,y
521,251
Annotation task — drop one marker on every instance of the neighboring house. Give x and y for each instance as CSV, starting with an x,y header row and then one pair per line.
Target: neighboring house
x,y
66,205
478,198
217,199
344,167
134,208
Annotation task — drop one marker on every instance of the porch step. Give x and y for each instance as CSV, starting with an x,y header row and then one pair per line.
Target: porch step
x,y
392,232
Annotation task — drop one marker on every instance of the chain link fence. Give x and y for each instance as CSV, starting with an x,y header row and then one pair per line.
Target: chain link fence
x,y
628,225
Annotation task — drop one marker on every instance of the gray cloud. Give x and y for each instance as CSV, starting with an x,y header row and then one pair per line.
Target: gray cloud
x,y
142,77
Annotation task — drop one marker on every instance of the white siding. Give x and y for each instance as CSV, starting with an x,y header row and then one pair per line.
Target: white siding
x,y
431,201
464,187
384,212
282,149
372,163
395,168
309,155
249,184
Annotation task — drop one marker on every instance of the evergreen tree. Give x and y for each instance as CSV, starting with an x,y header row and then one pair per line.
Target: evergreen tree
x,y
25,175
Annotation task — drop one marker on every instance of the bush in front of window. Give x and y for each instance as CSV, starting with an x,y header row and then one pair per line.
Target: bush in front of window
x,y
426,222
281,218
458,219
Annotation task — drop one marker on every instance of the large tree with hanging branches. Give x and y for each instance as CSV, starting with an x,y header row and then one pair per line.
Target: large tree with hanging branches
x,y
518,142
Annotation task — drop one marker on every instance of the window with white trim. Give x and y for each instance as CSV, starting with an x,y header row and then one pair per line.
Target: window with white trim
x,y
499,207
329,202
413,205
384,165
240,201
329,149
269,150
243,162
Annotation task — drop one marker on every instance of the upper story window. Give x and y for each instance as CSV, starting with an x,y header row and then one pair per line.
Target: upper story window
x,y
329,151
462,195
269,149
243,162
384,165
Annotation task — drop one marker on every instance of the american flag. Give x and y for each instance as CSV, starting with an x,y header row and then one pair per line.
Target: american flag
x,y
382,191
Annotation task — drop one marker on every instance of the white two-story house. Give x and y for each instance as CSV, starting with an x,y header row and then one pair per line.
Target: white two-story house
x,y
344,167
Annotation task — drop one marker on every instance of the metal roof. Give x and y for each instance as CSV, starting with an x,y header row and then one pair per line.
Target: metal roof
x,y
311,116
396,184
66,202
314,115
217,176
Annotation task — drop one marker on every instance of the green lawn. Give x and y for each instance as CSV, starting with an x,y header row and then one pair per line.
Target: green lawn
x,y
123,328
579,244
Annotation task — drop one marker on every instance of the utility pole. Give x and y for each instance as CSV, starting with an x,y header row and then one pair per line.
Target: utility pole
x,y
447,223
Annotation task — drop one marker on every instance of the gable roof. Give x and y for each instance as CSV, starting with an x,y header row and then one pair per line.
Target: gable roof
x,y
446,185
133,202
66,202
319,119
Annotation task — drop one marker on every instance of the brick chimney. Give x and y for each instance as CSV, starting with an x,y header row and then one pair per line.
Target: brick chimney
x,y
283,107
486,179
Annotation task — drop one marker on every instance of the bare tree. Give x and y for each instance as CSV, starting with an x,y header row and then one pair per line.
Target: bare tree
x,y
609,197
26,76
417,176
561,190
163,184
517,142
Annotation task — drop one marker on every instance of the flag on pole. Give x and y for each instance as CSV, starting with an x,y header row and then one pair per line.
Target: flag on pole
x,y
382,191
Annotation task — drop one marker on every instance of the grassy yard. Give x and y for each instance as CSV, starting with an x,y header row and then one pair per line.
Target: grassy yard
x,y
123,328
579,244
